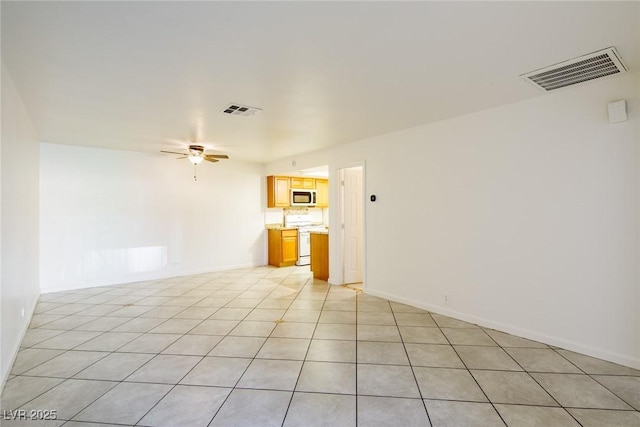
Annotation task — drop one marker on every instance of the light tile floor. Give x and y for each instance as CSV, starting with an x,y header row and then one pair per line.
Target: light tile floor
x,y
272,347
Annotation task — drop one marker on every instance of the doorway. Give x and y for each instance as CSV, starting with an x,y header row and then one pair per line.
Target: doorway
x,y
352,224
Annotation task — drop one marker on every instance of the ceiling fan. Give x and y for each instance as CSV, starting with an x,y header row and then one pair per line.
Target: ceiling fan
x,y
196,155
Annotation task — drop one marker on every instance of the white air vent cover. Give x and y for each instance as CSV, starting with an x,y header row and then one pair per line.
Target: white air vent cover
x,y
587,67
241,110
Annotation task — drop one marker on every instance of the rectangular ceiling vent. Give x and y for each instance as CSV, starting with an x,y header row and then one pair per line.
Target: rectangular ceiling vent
x,y
241,110
587,67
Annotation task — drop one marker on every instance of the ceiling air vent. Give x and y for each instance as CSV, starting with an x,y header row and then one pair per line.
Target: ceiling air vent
x,y
241,110
587,67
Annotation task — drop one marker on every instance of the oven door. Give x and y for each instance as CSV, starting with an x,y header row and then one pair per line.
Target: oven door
x,y
304,248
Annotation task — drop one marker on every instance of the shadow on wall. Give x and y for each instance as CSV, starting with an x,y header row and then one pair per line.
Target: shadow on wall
x,y
258,250
124,260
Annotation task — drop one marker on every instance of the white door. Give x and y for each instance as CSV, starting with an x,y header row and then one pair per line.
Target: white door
x,y
353,224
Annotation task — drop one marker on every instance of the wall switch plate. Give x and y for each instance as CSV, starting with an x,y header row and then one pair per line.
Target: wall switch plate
x,y
446,299
617,111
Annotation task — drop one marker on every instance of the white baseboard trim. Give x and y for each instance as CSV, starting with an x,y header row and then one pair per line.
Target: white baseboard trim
x,y
524,333
14,353
146,277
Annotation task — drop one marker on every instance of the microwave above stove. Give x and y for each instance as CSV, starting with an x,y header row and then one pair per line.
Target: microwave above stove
x,y
301,197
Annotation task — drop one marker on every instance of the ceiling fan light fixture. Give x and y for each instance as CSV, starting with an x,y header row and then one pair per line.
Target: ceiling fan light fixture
x,y
196,160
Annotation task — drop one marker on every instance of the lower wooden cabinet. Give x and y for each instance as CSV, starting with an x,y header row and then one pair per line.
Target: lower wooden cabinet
x,y
283,247
320,255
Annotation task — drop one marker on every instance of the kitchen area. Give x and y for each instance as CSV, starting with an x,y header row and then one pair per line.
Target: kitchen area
x,y
297,221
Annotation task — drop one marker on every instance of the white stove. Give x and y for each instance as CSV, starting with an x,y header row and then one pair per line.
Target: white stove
x,y
305,226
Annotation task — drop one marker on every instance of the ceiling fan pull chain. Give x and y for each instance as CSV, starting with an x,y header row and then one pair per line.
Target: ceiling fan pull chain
x,y
194,173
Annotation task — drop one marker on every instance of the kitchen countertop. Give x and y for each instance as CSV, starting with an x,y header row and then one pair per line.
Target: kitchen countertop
x,y
278,227
320,232
282,227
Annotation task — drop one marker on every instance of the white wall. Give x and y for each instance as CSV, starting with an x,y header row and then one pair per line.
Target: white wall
x,y
19,219
526,215
109,216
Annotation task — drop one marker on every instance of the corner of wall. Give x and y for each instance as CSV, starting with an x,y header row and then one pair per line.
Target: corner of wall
x,y
19,219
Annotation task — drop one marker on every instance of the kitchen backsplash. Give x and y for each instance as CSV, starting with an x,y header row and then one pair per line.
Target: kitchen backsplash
x,y
297,210
276,215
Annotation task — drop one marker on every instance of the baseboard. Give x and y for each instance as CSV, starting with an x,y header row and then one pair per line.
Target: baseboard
x,y
524,333
28,315
146,277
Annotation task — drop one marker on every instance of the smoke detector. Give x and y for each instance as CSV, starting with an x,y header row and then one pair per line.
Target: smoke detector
x,y
592,66
241,110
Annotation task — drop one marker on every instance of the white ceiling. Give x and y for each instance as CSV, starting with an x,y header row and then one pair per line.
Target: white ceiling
x,y
144,75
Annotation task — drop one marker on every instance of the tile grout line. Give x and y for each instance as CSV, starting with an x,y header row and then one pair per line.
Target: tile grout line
x,y
235,284
64,379
116,382
415,379
248,365
535,380
469,371
304,360
594,379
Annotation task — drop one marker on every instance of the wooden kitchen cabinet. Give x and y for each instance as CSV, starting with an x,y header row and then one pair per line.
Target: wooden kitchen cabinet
x,y
306,183
283,247
320,255
278,192
322,193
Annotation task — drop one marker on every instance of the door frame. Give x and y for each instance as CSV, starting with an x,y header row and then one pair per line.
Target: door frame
x,y
340,215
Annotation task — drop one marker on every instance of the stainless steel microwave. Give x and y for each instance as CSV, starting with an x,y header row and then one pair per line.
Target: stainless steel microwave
x,y
300,197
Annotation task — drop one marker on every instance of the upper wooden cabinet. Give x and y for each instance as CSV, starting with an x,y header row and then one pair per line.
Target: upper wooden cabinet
x,y
306,183
322,193
277,191
279,187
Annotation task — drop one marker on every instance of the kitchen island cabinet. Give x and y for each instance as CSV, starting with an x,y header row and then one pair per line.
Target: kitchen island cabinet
x,y
320,255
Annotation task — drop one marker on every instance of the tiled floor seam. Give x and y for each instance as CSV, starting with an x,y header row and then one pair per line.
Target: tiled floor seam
x,y
474,378
173,288
168,391
111,352
324,301
413,372
596,380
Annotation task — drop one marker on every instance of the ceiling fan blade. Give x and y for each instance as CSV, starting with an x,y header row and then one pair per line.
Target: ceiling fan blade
x,y
183,157
216,156
211,160
171,152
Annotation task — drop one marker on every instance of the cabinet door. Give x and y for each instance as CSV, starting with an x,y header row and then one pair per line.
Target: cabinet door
x,y
282,191
277,192
322,193
296,182
306,183
289,249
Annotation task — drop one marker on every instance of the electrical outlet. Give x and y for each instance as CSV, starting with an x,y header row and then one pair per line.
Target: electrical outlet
x,y
446,299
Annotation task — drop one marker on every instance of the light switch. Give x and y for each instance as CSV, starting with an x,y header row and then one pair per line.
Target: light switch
x,y
617,111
